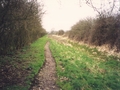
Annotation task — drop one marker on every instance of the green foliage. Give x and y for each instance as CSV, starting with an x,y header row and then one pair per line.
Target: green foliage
x,y
82,68
22,66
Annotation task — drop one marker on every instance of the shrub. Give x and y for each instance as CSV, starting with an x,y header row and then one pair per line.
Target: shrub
x,y
20,24
105,29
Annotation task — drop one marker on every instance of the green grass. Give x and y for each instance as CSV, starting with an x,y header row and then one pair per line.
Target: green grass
x,y
27,61
82,68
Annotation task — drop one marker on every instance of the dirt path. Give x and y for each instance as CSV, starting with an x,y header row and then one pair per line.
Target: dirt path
x,y
46,79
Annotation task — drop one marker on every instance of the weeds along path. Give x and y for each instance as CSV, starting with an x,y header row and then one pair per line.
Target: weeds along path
x,y
46,79
82,68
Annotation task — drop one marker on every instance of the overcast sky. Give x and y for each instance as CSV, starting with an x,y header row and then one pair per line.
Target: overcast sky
x,y
62,14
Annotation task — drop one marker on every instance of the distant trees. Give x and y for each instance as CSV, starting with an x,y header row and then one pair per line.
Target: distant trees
x,y
20,24
60,32
53,32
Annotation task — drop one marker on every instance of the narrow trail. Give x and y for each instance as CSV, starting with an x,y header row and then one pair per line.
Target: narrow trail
x,y
46,79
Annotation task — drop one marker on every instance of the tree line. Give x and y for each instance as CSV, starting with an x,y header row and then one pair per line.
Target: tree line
x,y
104,29
98,31
20,24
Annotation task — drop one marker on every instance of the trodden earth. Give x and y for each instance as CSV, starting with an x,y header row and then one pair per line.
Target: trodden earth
x,y
46,78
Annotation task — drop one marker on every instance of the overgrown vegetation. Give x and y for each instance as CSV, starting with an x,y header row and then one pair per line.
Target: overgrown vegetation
x,y
20,24
81,30
82,68
60,32
17,71
102,30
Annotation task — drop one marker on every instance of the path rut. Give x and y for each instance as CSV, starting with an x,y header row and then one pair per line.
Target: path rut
x,y
46,79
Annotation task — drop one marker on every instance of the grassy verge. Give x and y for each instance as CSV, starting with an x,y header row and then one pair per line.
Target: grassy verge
x,y
82,68
18,70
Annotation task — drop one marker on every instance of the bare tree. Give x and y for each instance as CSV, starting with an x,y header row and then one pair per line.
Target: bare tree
x,y
108,7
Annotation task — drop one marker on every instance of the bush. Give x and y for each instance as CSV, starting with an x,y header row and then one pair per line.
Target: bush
x,y
81,30
20,24
103,30
60,32
106,31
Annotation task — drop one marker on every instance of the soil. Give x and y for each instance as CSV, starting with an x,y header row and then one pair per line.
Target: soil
x,y
46,79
